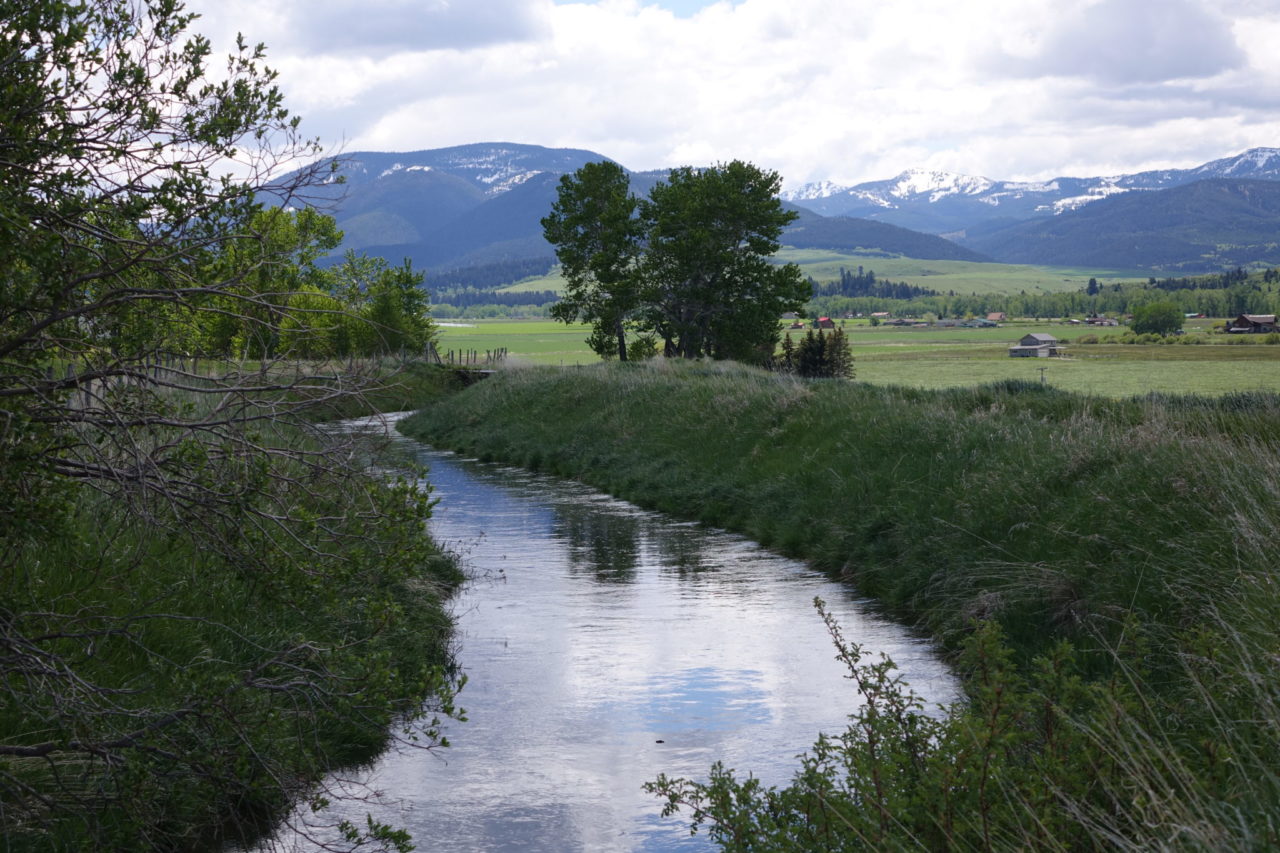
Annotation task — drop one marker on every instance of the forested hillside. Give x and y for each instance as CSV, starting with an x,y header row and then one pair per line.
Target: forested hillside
x,y
1204,226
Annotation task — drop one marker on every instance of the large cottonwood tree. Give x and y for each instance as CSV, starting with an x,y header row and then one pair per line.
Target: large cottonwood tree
x,y
690,264
712,290
597,235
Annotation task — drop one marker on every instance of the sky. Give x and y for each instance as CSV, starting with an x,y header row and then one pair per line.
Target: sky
x,y
839,90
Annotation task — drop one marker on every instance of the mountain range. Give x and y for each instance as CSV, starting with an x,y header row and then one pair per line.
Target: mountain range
x,y
480,204
952,205
1206,225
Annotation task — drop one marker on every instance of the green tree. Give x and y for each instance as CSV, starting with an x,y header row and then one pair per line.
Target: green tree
x,y
594,227
690,264
821,356
272,259
1159,318
710,287
387,307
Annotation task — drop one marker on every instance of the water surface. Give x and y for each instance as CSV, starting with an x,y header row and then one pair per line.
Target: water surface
x,y
603,645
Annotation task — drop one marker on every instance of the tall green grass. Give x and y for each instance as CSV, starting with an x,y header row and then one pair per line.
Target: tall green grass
x,y
1139,532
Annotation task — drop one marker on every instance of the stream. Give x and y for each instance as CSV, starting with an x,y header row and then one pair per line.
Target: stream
x,y
605,644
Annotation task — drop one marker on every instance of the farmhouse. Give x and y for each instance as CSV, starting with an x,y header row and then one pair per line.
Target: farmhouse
x,y
825,323
997,317
1256,324
1036,345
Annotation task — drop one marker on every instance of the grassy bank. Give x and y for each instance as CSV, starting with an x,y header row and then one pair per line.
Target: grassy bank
x,y
1138,532
176,675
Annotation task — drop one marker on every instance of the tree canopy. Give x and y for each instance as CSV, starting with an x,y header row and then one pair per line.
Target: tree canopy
x,y
597,236
689,265
1160,318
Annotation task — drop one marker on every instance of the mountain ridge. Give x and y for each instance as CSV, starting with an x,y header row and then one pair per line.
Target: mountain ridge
x,y
480,204
1202,226
939,202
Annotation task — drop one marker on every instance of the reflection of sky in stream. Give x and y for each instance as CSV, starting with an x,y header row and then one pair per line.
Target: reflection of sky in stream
x,y
605,645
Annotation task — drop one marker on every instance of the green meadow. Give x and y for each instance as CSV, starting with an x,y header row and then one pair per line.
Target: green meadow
x,y
952,358
961,276
526,341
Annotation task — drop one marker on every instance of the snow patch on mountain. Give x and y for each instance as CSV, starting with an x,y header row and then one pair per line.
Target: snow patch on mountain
x,y
809,192
872,198
501,182
1031,187
1250,162
937,185
1101,191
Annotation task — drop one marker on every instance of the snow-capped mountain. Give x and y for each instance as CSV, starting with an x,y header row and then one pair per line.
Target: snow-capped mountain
x,y
481,203
492,168
946,203
910,184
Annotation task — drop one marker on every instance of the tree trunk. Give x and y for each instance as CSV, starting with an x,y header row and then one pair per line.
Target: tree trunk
x,y
622,340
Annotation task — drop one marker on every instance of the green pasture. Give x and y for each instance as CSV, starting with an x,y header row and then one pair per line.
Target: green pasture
x,y
961,276
946,358
943,276
526,341
1134,374
551,281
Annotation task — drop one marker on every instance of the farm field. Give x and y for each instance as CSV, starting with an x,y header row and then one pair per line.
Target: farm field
x,y
944,358
527,341
961,276
1220,371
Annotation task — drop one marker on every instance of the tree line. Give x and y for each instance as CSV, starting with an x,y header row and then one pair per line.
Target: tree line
x,y
469,298
490,276
862,283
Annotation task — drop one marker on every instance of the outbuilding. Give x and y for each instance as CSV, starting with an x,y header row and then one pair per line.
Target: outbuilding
x,y
1253,324
1036,345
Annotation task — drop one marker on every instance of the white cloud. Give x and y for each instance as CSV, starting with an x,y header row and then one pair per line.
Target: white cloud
x,y
814,88
411,25
1136,41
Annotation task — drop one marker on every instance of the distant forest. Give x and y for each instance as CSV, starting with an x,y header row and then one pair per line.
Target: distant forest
x,y
473,291
862,283
489,276
468,298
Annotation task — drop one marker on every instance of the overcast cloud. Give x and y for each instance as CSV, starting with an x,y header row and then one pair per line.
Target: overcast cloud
x,y
845,90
